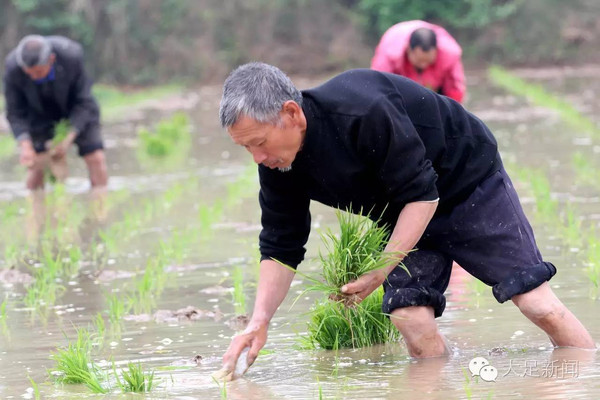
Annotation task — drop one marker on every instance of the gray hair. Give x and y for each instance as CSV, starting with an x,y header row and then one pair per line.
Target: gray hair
x,y
258,91
33,50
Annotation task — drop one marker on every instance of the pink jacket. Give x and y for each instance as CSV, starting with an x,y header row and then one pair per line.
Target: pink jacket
x,y
445,75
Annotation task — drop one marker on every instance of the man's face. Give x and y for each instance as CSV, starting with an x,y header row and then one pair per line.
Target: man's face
x,y
421,59
38,72
274,146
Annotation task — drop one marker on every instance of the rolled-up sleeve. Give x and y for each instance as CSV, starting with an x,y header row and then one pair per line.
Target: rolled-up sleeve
x,y
285,216
393,147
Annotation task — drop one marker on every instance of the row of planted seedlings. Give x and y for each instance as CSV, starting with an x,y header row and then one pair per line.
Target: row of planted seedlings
x,y
568,224
142,297
44,262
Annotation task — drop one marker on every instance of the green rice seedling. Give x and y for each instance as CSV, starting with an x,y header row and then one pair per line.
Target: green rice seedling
x,y
333,325
336,348
467,385
116,309
546,206
239,299
100,329
149,287
135,379
222,387
3,310
71,264
110,241
44,290
61,130
35,387
539,96
320,389
73,363
571,229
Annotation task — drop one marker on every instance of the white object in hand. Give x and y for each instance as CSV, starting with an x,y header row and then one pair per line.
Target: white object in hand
x,y
242,364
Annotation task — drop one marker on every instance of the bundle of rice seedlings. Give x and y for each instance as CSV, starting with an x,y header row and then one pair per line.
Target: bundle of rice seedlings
x,y
333,326
357,250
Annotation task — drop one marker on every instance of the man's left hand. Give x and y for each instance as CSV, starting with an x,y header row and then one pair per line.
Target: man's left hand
x,y
359,289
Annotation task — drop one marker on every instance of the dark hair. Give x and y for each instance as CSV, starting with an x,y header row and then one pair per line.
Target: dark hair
x,y
33,50
424,38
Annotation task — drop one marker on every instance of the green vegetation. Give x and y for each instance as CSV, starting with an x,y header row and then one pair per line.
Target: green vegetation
x,y
169,135
381,14
149,288
116,310
61,130
541,97
73,363
3,310
546,205
572,228
44,291
222,388
332,325
357,250
134,379
36,389
477,288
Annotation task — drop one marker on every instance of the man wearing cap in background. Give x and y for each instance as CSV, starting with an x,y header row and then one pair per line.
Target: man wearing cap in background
x,y
425,53
45,82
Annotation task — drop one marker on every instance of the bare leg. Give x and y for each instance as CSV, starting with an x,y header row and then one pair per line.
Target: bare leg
x,y
36,214
35,173
420,331
96,164
545,310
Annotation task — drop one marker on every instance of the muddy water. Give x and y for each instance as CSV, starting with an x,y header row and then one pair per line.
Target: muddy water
x,y
474,323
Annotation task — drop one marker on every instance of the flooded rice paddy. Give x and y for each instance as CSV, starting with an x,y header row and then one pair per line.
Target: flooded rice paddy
x,y
181,234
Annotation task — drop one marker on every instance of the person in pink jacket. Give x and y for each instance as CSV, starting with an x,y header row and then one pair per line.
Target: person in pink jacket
x,y
425,53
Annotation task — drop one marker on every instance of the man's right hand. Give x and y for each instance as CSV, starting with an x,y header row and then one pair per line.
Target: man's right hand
x,y
27,153
254,337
